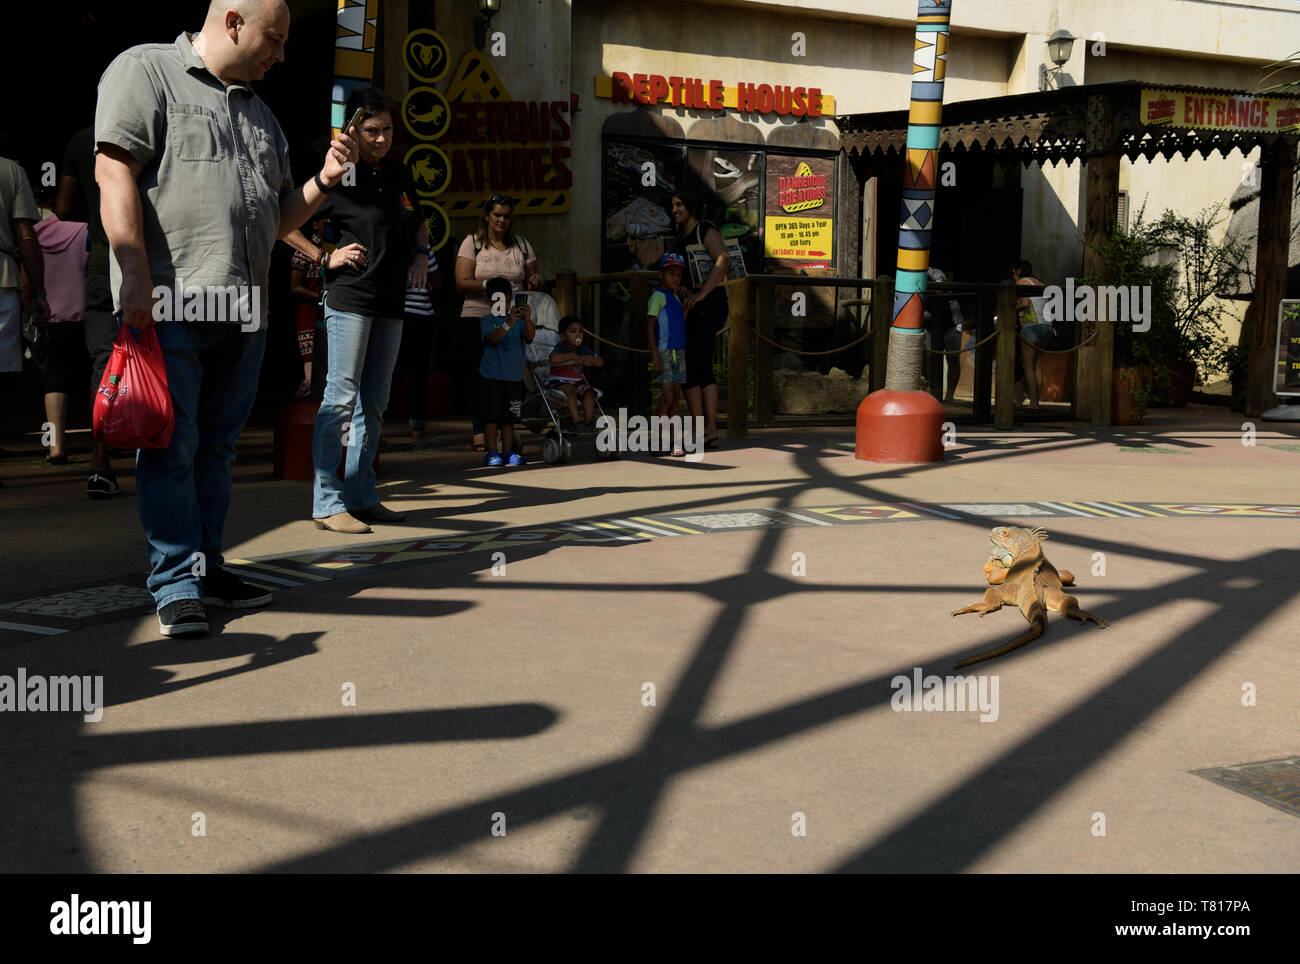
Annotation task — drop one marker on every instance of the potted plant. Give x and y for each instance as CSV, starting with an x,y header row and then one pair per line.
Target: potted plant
x,y
1233,361
1130,259
1205,272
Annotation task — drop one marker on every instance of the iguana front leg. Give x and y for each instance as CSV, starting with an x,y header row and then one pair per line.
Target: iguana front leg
x,y
991,603
995,571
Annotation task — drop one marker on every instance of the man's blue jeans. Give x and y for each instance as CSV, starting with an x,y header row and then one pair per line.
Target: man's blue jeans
x,y
362,352
184,489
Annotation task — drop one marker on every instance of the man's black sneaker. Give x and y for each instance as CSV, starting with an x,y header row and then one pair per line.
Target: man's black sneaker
x,y
184,617
101,486
226,590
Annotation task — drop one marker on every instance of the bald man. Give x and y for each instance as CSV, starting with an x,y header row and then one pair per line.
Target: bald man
x,y
195,188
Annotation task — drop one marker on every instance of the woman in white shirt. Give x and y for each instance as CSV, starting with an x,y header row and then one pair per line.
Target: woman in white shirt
x,y
493,251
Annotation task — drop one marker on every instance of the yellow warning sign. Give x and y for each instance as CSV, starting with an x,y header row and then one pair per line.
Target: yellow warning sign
x,y
439,223
425,54
429,168
425,113
498,145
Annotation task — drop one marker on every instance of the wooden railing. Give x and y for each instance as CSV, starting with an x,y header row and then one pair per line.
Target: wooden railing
x,y
756,296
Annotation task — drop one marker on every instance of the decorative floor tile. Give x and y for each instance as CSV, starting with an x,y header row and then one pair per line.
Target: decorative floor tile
x,y
997,509
82,603
1275,782
730,520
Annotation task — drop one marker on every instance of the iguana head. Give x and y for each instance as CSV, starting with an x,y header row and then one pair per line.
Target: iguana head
x,y
1011,542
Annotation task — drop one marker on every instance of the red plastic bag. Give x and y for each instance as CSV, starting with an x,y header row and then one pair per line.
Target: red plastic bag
x,y
133,408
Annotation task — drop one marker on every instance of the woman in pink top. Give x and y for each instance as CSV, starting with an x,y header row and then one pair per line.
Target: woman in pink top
x,y
493,251
63,248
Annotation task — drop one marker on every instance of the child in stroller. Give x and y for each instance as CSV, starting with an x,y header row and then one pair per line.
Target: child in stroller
x,y
568,359
554,373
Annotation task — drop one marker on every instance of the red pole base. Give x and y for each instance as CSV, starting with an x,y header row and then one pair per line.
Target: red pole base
x,y
295,424
900,427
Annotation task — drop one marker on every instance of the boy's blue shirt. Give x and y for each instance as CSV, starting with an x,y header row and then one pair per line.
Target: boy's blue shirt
x,y
670,326
503,361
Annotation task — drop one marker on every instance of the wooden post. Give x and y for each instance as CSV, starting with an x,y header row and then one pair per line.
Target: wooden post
x,y
1004,410
1277,163
587,306
882,316
764,324
566,291
1103,368
982,408
738,362
933,363
1092,374
638,373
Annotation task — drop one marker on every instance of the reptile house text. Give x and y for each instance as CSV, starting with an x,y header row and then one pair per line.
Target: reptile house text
x,y
700,94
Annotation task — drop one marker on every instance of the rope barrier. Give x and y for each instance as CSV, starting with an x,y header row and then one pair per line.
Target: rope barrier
x,y
644,351
1058,351
982,341
796,351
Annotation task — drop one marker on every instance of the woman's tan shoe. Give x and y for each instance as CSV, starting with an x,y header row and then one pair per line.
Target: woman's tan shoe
x,y
342,522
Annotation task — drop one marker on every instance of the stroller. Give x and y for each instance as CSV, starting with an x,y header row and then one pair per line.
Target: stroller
x,y
545,410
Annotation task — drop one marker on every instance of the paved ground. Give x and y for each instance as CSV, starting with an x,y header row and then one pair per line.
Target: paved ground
x,y
767,598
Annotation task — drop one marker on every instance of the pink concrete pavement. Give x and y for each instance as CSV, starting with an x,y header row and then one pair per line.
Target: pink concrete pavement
x,y
523,694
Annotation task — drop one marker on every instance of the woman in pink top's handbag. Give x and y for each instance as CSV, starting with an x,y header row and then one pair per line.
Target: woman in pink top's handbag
x,y
493,251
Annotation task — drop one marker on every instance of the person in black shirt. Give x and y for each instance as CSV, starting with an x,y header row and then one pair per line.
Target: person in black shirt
x,y
707,309
382,245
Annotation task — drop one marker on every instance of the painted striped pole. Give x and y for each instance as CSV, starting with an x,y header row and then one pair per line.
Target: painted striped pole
x,y
920,177
354,53
900,423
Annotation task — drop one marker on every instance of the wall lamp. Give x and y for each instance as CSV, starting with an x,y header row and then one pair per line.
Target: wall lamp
x,y
1059,47
487,9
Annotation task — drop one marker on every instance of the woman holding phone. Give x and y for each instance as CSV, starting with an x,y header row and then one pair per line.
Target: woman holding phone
x,y
382,246
494,251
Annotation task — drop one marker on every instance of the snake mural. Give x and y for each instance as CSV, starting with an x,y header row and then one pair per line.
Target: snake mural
x,y
920,171
731,183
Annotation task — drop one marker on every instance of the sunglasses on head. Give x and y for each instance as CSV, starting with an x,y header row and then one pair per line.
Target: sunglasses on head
x,y
499,199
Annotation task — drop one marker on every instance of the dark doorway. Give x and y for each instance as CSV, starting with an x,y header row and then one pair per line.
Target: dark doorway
x,y
88,34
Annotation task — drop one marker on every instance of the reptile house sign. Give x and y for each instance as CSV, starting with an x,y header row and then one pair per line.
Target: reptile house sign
x,y
698,93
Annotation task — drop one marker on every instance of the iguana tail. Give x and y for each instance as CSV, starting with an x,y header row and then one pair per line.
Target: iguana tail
x,y
1035,630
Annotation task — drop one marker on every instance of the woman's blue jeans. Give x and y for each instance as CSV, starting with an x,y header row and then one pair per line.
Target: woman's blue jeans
x,y
362,352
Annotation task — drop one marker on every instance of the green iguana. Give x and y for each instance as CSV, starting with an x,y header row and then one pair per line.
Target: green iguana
x,y
1018,573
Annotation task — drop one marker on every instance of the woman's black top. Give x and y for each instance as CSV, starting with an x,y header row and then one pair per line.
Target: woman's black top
x,y
381,212
715,305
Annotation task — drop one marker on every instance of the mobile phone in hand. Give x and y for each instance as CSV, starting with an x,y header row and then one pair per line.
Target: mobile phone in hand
x,y
356,119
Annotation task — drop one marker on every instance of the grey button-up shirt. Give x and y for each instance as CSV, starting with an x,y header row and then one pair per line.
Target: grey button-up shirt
x,y
216,166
